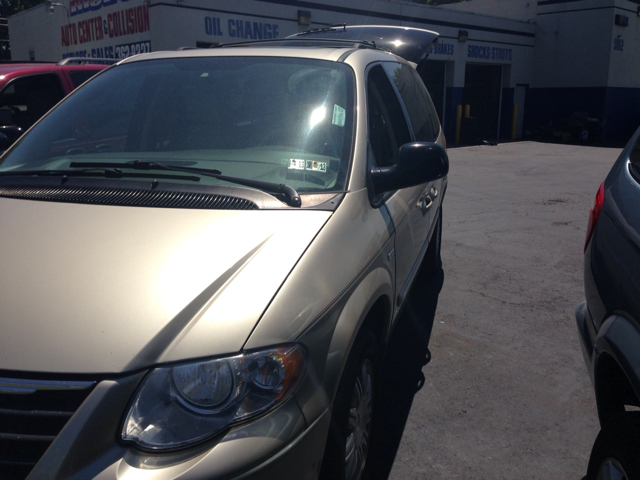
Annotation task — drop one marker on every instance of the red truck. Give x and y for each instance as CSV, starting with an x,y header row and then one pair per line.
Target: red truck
x,y
29,90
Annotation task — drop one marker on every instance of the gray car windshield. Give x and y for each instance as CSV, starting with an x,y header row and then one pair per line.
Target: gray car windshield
x,y
282,120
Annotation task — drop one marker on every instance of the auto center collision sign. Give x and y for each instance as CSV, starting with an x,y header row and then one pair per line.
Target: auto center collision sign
x,y
120,23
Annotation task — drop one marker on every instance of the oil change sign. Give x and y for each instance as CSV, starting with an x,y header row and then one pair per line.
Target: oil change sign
x,y
240,28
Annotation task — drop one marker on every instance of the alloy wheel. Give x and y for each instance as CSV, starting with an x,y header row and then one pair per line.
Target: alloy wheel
x,y
359,426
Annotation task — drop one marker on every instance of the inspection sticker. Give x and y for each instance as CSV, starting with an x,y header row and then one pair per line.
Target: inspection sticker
x,y
339,115
315,166
311,165
296,164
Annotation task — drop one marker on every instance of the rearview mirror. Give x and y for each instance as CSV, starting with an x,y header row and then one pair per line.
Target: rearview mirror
x,y
419,162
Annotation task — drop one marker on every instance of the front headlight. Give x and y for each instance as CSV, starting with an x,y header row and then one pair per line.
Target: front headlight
x,y
181,405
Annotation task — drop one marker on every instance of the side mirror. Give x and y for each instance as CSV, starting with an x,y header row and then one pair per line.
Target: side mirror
x,y
419,162
11,134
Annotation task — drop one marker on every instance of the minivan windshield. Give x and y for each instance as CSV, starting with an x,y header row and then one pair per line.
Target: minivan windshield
x,y
282,120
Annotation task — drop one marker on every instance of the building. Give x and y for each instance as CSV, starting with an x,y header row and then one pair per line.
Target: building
x,y
551,58
587,58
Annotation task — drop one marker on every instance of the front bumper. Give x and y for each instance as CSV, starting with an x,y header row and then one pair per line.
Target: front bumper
x,y
277,445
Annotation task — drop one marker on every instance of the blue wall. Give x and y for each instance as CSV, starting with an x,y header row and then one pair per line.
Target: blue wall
x,y
506,113
622,112
453,99
620,107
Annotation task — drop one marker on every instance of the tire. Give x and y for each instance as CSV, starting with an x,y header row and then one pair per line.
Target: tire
x,y
432,262
353,417
616,451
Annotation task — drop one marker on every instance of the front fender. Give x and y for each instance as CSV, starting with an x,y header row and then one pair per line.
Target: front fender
x,y
333,334
327,296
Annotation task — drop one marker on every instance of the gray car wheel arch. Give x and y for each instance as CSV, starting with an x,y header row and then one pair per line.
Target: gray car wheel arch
x,y
616,367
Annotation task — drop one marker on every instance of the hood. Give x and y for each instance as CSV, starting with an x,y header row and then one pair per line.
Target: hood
x,y
105,289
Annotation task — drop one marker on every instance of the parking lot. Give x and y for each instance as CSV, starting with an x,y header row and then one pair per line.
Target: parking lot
x,y
485,378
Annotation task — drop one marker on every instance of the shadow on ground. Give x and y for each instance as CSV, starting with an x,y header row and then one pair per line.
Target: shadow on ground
x,y
406,355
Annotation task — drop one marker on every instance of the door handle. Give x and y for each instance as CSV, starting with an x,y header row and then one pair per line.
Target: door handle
x,y
424,203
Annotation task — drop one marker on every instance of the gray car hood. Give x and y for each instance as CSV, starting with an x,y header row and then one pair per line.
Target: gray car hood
x,y
87,288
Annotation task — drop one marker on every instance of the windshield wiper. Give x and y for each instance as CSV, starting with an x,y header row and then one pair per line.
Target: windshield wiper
x,y
292,197
104,172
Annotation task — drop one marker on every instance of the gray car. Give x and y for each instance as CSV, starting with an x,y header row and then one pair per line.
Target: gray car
x,y
203,255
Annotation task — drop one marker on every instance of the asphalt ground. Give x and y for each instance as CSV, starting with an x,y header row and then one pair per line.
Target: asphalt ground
x,y
484,373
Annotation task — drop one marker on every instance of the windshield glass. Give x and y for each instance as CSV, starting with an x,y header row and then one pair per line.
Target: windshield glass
x,y
283,120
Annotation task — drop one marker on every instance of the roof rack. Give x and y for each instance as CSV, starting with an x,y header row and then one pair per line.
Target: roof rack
x,y
305,42
87,60
330,28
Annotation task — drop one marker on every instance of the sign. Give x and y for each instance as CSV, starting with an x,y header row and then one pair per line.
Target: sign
x,y
618,44
83,6
124,22
239,28
117,52
124,51
441,49
489,53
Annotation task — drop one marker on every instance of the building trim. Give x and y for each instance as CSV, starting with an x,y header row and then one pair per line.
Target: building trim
x,y
628,9
553,2
610,7
489,41
217,10
271,17
356,12
393,16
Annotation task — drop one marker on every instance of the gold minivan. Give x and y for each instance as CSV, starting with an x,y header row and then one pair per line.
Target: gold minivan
x,y
203,255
